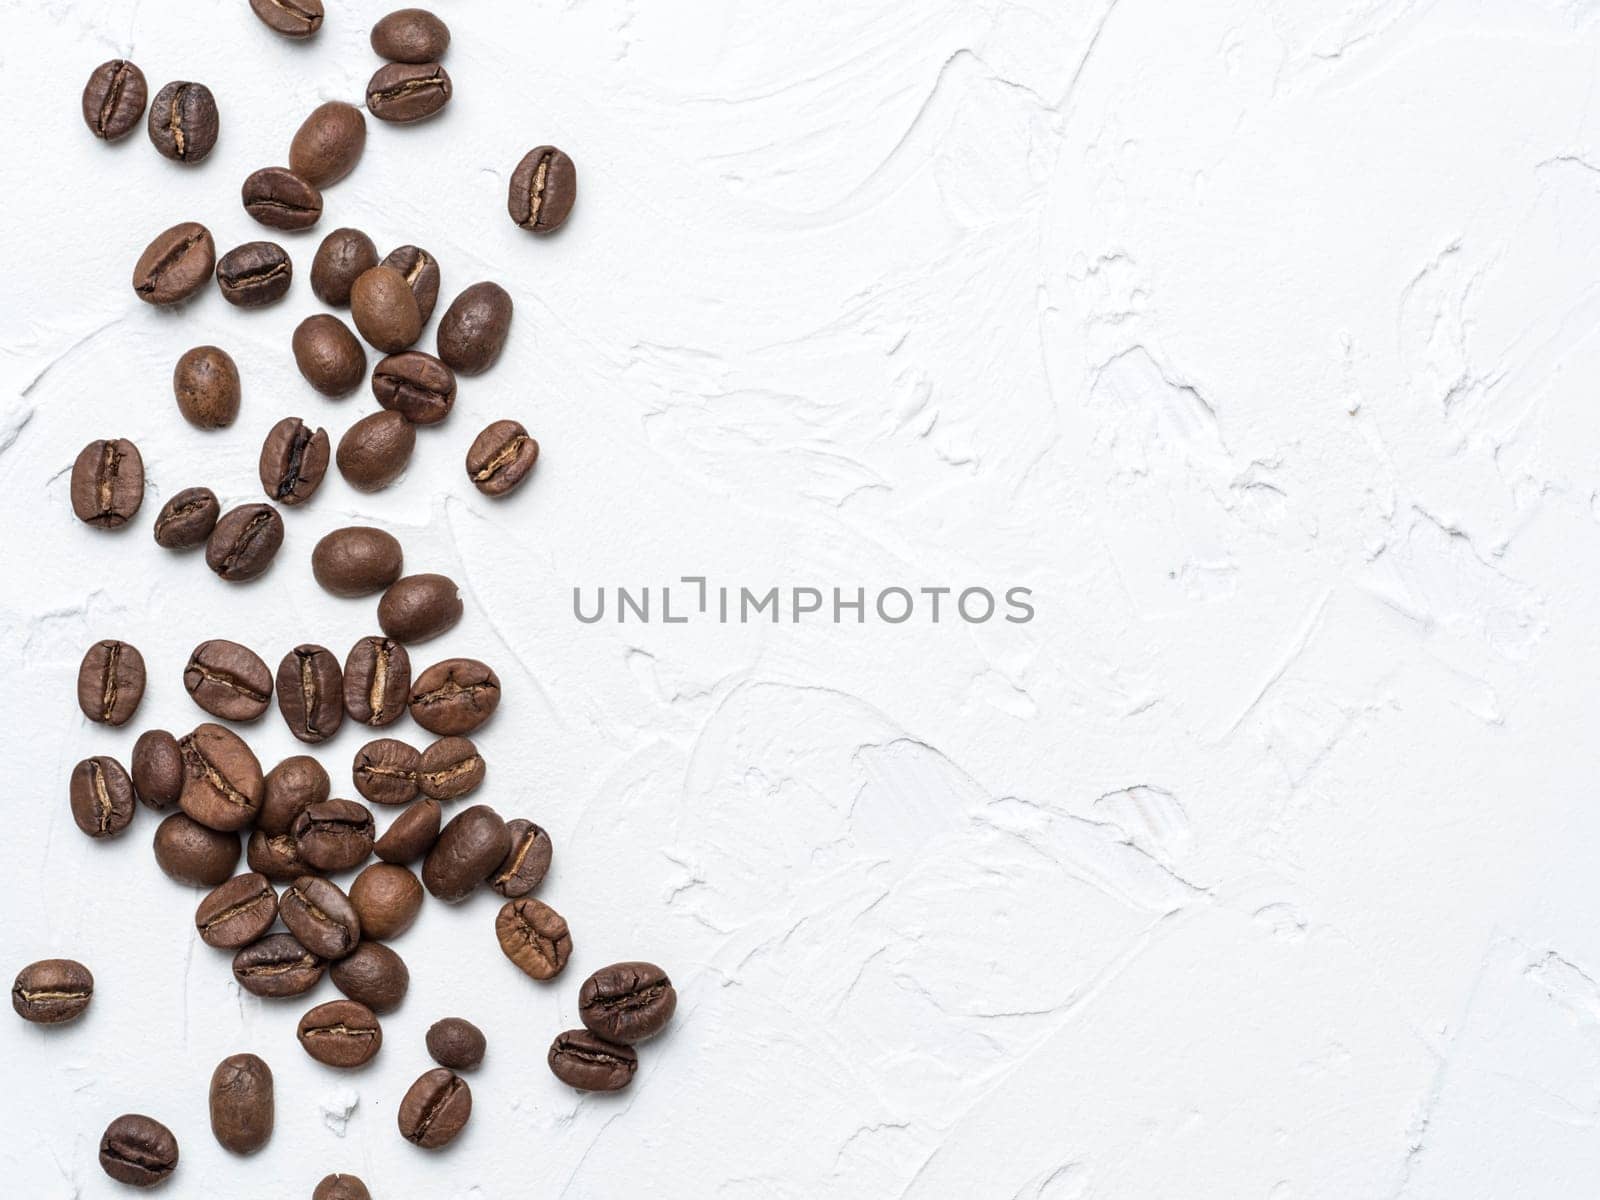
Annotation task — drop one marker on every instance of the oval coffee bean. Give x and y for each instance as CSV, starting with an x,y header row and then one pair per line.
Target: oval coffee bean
x,y
374,452
543,189
357,560
294,458
534,937
455,696
385,309
192,854
275,856
473,330
222,783
311,693
228,680
405,92
377,680
292,18
110,682
373,975
244,543
341,1187
52,991
344,256
138,1150
334,835
450,768
184,122
419,607
410,835
411,35
328,143
157,768
525,867
320,916
591,1064
328,355
277,966
627,1002
296,782
421,273
387,899
107,483
280,199
206,385
242,1108
255,274
340,1033
175,265
236,913
435,1109
456,1043
186,521
501,457
114,99
469,849
102,797
385,771
416,385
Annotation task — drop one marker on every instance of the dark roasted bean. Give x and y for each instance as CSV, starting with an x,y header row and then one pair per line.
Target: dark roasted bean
x,y
242,1106
387,898
470,847
334,835
138,1150
114,99
184,122
228,680
534,937
373,975
244,542
157,768
385,309
340,1033
456,1043
385,771
410,835
255,274
186,521
280,199
421,272
375,451
581,1060
450,768
222,783
473,330
311,693
357,560
627,1002
328,143
192,854
416,385
206,385
277,966
110,682
525,867
411,35
405,92
320,916
107,483
275,856
543,189
294,458
329,355
455,696
291,18
236,913
290,786
501,457
377,681
53,991
419,607
102,797
435,1109
344,256
175,265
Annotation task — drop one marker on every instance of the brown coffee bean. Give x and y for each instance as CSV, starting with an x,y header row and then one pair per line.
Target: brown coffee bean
x,y
456,1043
228,680
411,35
242,1106
455,696
469,849
157,768
291,18
357,560
111,682
206,384
294,458
114,99
627,1002
387,898
543,189
534,937
222,784
175,265
374,452
524,868
280,199
334,835
385,771
290,786
473,330
328,143
138,1150
581,1060
377,681
419,607
186,521
341,1187
403,93
184,122
410,835
244,542
255,274
236,913
421,272
275,856
416,385
107,483
278,966
501,457
192,854
320,916
435,1109
102,797
385,309
450,768
53,991
344,256
328,355
311,693
373,975
340,1033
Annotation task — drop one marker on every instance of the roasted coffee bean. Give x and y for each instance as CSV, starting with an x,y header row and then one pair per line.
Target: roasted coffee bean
x,y
53,991
206,385
591,1064
190,853
533,936
387,898
184,122
228,680
341,1187
501,457
175,265
296,782
450,768
543,188
114,99
469,848
242,1109
321,916
456,1043
157,768
108,483
419,607
102,797
294,458
357,560
385,771
344,256
255,274
222,783
311,693
411,35
328,355
277,966
340,1033
374,452
405,92
236,913
275,856
416,385
411,834
455,696
245,541
473,330
138,1150
292,18
334,835
385,309
373,975
435,1109
421,272
280,199
627,1002
377,681
110,682
529,861
186,521
328,143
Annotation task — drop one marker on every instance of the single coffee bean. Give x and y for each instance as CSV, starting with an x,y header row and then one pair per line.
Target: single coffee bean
x,y
275,856
107,483
280,199
291,18
102,797
186,521
236,913
344,256
110,682
534,937
525,867
277,966
456,1043
192,854
435,1109
421,272
328,143
175,265
385,309
138,1150
334,835
245,541
455,696
419,607
184,122
222,783
377,681
402,93
411,35
296,782
385,771
387,898
114,99
255,274
294,458
311,693
357,560
543,189
373,452
581,1060
242,1109
473,330
450,768
321,916
206,384
501,457
157,768
340,1033
411,834
328,355
416,385
627,1002
469,848
53,991
374,975
341,1187
228,680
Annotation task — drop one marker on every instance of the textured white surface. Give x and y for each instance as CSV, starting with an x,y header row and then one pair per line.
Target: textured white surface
x,y
1257,338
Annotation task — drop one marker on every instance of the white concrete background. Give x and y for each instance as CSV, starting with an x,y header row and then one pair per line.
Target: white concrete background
x,y
1259,339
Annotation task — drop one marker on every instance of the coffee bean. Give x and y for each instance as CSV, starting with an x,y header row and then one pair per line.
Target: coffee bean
x,y
411,35
321,916
387,898
385,310
454,696
236,913
435,1109
157,768
416,385
107,483
242,1111
175,265
469,848
206,384
192,854
311,693
373,452
374,975
450,768
243,544
419,607
627,1002
534,937
357,560
473,330
405,92
501,457
184,121
113,99
186,521
222,783
290,786
280,199
275,856
344,256
411,834
340,1033
377,681
292,18
110,682
456,1043
525,867
255,274
543,188
277,966
294,458
53,991
334,835
385,771
228,680
138,1150
102,797
328,355
328,143
591,1064
341,1187
421,272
